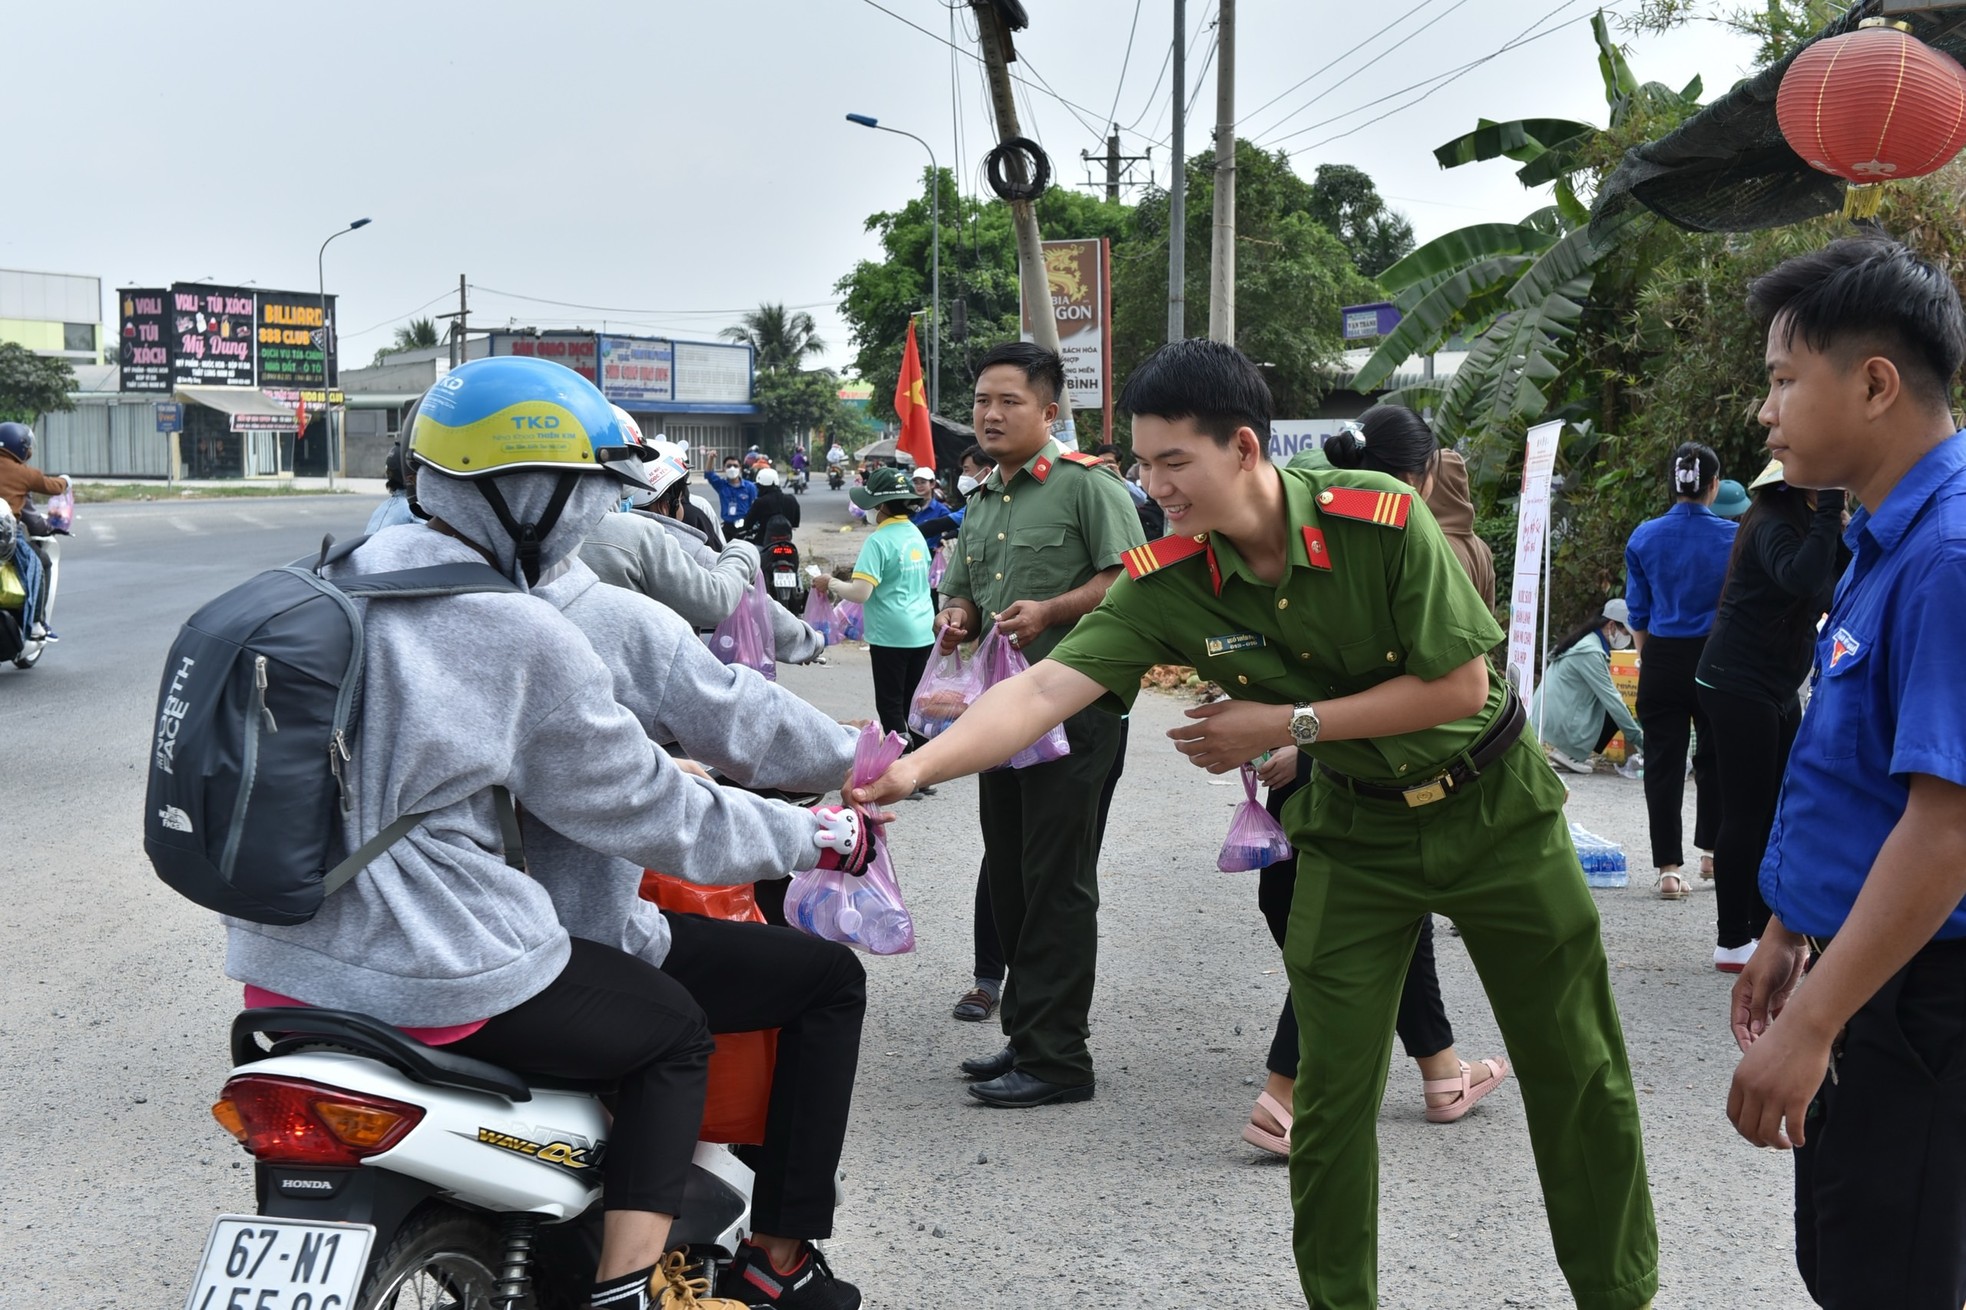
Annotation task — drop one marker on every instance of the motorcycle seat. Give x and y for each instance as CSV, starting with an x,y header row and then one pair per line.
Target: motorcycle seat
x,y
290,1028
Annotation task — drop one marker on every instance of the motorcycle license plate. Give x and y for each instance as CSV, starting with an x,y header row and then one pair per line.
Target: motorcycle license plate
x,y
255,1263
785,579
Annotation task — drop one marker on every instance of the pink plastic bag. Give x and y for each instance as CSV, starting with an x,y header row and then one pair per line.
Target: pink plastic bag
x,y
997,660
819,614
746,637
1255,839
851,619
947,688
938,565
60,511
864,911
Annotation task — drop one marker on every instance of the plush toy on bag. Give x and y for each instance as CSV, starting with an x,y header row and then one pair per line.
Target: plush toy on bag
x,y
997,660
1255,839
947,687
864,910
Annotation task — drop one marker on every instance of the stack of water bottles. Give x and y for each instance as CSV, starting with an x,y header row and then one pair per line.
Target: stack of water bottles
x,y
860,910
1602,858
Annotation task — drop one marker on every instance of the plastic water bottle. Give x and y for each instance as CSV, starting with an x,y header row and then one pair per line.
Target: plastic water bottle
x,y
818,913
1603,860
869,919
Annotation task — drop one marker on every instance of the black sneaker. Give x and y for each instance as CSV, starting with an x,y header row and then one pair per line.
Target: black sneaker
x,y
753,1280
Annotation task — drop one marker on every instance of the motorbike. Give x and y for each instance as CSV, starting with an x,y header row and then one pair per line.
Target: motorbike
x,y
389,1174
780,561
835,476
800,480
17,640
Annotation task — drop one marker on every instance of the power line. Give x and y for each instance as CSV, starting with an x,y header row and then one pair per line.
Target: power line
x,y
641,312
1338,60
445,294
1125,61
1389,50
1202,76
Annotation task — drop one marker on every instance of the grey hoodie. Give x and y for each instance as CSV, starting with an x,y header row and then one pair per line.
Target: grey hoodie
x,y
672,562
724,716
461,694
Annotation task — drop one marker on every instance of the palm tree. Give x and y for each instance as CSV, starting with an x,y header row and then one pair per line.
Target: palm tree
x,y
417,334
781,340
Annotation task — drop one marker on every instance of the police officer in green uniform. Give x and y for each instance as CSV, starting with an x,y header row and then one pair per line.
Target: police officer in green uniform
x,y
1040,544
1330,608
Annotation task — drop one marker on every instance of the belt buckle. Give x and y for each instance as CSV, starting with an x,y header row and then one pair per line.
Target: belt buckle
x,y
1426,793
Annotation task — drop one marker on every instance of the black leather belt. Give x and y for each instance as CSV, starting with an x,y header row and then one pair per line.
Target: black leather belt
x,y
1464,770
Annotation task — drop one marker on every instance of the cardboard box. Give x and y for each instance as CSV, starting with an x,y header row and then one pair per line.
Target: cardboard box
x,y
1624,676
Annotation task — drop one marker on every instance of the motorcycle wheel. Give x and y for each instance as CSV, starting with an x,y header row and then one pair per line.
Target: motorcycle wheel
x,y
28,658
444,1260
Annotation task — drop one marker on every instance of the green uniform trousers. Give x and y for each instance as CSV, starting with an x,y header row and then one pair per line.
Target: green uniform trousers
x,y
1496,858
1041,849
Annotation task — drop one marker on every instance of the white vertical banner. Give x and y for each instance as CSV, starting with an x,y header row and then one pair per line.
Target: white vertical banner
x,y
1532,553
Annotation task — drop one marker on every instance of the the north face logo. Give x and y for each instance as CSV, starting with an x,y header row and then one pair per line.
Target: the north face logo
x,y
168,718
175,819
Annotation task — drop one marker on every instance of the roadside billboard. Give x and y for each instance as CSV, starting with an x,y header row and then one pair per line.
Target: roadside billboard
x,y
1076,273
576,350
212,331
293,336
143,332
712,374
637,371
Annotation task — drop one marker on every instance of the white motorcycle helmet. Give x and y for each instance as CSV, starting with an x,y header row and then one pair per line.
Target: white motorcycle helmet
x,y
767,477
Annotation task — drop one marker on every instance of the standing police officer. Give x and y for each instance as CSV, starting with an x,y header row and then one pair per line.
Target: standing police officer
x,y
1040,543
1330,607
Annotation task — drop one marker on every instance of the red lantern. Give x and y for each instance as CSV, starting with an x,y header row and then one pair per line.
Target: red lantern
x,y
1872,106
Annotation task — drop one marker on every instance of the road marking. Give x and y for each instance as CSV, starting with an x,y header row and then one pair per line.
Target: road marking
x,y
183,526
258,521
104,533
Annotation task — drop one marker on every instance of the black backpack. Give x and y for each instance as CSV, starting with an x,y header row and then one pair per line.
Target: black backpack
x,y
257,717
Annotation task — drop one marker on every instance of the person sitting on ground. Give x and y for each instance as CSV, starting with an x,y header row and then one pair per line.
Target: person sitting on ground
x,y
466,694
1577,709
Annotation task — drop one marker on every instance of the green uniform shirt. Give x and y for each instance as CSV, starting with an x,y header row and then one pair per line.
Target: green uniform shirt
x,y
1051,529
1359,603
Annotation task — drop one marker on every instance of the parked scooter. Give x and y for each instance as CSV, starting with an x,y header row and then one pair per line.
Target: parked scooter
x,y
390,1174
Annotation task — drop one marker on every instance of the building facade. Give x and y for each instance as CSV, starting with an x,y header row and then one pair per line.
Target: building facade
x,y
54,314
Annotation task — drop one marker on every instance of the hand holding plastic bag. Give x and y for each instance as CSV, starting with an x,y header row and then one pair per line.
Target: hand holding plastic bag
x,y
999,660
947,688
746,636
866,910
61,510
820,615
1255,839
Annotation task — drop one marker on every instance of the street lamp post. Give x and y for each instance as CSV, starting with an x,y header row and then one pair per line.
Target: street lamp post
x,y
327,342
935,262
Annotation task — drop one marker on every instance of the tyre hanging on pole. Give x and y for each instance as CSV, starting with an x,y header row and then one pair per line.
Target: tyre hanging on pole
x,y
1037,167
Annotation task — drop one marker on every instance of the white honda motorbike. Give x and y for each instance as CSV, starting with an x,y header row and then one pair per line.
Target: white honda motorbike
x,y
391,1175
18,641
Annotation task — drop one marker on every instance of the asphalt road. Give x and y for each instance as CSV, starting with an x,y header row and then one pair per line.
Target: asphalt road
x,y
112,1038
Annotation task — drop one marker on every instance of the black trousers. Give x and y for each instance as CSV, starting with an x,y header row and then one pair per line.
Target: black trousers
x,y
1752,738
1041,845
897,671
610,1018
1421,1021
1669,710
989,948
1880,1183
749,976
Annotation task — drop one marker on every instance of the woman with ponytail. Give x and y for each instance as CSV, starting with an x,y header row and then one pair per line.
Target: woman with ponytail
x,y
1394,440
1675,566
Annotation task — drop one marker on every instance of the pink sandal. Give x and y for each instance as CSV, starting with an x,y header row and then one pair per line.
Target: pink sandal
x,y
1498,1069
1262,1138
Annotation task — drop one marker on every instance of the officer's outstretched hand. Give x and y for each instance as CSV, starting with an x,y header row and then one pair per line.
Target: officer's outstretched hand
x,y
1228,734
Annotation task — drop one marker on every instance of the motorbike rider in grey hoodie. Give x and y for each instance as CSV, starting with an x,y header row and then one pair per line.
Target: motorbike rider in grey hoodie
x,y
463,694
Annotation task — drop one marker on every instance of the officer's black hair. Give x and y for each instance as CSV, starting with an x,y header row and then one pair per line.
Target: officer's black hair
x,y
1209,382
1694,468
1042,368
1865,296
1395,440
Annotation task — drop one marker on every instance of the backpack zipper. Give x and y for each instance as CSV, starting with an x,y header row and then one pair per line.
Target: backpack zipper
x,y
259,681
338,756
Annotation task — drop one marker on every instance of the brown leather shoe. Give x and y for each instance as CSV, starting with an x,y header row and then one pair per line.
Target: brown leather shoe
x,y
976,1005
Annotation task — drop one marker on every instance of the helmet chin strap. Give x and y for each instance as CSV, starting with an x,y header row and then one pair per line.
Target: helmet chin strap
x,y
528,536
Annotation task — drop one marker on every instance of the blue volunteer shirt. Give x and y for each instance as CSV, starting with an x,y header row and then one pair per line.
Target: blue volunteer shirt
x,y
1674,568
1888,699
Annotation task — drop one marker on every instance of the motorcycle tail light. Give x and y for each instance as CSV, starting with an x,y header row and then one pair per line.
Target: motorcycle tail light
x,y
292,1121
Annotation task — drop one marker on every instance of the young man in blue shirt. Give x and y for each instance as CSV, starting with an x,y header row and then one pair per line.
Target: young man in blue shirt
x,y
1863,1071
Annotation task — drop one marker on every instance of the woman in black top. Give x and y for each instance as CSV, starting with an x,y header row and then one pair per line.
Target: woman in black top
x,y
1780,582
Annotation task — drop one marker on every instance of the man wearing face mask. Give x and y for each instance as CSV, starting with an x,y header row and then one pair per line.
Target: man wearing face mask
x,y
1577,707
736,496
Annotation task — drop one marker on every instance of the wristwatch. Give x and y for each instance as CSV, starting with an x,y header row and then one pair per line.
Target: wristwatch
x,y
1304,724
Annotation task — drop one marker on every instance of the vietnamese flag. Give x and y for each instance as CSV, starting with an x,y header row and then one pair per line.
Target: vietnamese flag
x,y
911,407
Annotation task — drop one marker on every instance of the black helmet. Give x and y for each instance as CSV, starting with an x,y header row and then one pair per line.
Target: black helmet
x,y
17,439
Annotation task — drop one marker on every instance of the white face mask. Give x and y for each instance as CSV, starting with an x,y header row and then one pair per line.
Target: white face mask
x,y
732,475
1620,639
966,484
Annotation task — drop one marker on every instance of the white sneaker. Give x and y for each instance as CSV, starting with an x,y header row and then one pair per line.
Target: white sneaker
x,y
1563,761
1732,959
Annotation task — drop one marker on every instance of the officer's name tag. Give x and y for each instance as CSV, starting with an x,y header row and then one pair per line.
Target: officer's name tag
x,y
1232,643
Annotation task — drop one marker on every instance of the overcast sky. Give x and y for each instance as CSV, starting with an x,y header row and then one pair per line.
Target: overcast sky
x,y
661,166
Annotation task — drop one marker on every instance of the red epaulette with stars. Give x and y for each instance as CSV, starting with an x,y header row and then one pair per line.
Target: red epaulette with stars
x,y
1080,457
1386,508
1157,555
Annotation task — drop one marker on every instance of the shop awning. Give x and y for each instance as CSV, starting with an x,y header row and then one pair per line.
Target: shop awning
x,y
236,401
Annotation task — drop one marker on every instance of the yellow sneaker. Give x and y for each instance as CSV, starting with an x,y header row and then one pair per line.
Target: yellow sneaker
x,y
671,1288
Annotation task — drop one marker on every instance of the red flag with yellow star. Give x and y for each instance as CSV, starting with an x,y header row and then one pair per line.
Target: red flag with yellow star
x,y
911,407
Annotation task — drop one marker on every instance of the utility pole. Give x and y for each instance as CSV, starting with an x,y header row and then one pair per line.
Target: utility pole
x,y
457,325
1113,164
1034,284
1177,195
1222,269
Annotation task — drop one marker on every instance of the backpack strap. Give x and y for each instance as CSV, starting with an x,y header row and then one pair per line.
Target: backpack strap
x,y
508,827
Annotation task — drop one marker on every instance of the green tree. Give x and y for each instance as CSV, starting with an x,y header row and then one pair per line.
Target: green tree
x,y
1292,277
795,403
781,340
1345,200
32,385
417,334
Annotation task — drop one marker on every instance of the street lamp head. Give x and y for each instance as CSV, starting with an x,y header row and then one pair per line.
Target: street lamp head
x,y
865,120
360,222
